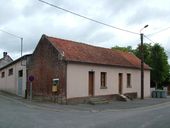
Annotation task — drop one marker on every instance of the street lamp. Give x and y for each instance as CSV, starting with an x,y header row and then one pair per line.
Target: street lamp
x,y
21,38
142,62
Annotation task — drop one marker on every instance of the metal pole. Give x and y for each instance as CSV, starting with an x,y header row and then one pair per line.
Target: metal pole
x,y
142,67
21,46
30,91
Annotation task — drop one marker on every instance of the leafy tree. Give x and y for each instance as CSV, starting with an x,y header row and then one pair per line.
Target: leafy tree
x,y
125,49
159,64
167,80
156,58
146,52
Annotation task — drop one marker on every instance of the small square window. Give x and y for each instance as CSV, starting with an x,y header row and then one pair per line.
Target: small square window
x,y
10,71
20,73
103,79
2,74
129,80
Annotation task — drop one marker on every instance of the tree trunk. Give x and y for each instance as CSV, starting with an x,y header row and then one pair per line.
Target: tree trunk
x,y
156,85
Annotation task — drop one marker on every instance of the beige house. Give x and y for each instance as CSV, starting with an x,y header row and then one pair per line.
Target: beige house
x,y
97,80
13,76
85,70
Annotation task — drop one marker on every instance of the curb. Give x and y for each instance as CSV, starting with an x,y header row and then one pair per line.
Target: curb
x,y
35,105
145,108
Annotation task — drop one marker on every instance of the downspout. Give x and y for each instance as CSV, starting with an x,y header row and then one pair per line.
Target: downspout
x,y
66,80
26,70
16,80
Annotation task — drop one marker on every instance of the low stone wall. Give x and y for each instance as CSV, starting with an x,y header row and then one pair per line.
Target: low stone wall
x,y
81,100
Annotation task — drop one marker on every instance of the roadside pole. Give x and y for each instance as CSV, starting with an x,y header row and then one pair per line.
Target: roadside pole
x,y
31,91
31,79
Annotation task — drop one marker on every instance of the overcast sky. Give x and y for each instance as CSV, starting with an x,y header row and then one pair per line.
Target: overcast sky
x,y
30,19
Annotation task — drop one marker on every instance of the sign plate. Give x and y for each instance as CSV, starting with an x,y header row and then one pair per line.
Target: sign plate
x,y
31,78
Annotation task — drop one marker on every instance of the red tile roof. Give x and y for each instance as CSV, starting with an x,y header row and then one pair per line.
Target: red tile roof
x,y
80,52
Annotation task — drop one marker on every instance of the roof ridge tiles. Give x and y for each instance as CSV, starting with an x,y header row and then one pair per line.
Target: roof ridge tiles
x,y
81,52
83,43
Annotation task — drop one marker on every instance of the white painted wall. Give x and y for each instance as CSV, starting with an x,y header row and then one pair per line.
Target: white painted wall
x,y
10,83
77,80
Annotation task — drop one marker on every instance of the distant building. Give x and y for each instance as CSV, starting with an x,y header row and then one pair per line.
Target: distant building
x,y
5,60
13,76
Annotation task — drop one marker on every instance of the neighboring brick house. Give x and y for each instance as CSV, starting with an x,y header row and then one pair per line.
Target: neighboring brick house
x,y
85,70
5,60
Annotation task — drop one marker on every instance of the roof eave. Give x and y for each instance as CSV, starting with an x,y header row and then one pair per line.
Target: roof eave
x,y
121,66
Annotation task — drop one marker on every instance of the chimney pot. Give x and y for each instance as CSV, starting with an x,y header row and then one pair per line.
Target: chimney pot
x,y
4,54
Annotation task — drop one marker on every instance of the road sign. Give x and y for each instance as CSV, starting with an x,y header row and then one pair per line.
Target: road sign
x,y
31,78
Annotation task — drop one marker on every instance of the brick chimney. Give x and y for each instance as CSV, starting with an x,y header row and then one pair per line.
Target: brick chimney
x,y
4,54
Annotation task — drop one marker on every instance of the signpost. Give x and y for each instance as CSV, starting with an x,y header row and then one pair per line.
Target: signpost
x,y
31,79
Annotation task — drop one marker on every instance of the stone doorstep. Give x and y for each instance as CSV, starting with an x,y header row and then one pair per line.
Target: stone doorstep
x,y
122,97
98,100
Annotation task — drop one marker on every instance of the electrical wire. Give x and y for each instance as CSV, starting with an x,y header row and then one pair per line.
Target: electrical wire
x,y
154,42
10,34
148,38
82,16
164,29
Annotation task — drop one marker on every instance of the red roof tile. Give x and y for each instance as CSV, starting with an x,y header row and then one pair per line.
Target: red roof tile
x,y
79,52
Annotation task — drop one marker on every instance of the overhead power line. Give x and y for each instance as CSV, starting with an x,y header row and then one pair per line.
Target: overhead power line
x,y
82,16
10,34
148,39
154,42
164,29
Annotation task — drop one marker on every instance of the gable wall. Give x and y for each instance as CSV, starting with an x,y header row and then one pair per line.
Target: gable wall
x,y
45,66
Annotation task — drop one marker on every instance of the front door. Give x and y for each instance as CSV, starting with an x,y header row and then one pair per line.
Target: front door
x,y
120,82
20,86
91,83
20,79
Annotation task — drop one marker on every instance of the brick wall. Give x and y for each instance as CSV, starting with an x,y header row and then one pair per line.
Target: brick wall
x,y
45,65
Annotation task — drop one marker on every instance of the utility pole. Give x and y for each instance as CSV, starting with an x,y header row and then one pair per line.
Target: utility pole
x,y
21,45
142,62
142,67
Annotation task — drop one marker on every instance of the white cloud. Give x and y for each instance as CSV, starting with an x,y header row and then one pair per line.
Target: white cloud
x,y
31,18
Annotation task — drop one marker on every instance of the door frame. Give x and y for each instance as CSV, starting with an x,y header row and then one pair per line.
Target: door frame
x,y
20,83
20,79
120,83
91,83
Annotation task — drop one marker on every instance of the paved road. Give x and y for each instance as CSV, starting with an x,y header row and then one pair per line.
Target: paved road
x,y
17,114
